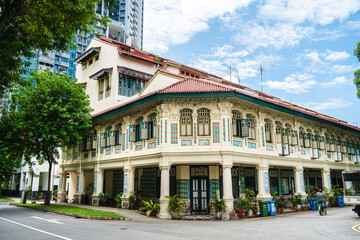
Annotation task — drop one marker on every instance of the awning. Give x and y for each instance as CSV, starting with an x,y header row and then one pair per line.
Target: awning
x,y
101,73
87,55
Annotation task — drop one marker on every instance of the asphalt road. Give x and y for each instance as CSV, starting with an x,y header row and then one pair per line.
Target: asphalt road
x,y
19,223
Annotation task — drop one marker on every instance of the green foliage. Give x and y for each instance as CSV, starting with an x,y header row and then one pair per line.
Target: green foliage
x,y
273,195
90,189
337,191
176,204
357,73
280,203
46,113
134,200
74,210
40,24
241,203
217,204
149,207
297,199
311,191
118,200
55,192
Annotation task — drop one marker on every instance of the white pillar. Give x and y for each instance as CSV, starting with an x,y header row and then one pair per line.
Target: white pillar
x,y
299,181
263,183
164,191
99,181
325,176
62,192
227,190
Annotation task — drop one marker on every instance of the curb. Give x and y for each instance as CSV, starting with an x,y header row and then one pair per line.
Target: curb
x,y
70,214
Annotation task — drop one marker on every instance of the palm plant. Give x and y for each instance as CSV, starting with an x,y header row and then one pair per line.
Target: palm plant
x,y
217,204
150,207
176,204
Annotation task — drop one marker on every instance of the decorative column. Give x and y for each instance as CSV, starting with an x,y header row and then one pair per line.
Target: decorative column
x,y
263,182
227,190
225,123
128,186
325,177
98,186
163,125
164,191
80,187
62,187
299,181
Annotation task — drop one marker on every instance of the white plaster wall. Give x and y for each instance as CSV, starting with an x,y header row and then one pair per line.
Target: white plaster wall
x,y
159,82
72,185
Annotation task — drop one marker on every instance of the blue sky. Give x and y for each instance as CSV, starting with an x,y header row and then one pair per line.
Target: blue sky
x,y
304,46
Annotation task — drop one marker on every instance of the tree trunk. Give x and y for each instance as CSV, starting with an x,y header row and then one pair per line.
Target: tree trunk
x,y
48,195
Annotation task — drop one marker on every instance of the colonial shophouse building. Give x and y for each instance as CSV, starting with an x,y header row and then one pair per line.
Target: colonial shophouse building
x,y
162,128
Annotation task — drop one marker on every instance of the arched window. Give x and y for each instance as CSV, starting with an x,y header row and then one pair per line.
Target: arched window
x,y
91,142
134,130
203,122
186,122
268,130
236,123
118,134
152,125
308,138
252,126
288,132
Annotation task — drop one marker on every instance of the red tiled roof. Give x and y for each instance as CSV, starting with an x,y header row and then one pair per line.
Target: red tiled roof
x,y
194,85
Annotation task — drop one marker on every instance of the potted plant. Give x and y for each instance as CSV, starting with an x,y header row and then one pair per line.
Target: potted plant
x,y
240,204
150,207
218,206
134,200
55,192
280,204
175,206
255,208
250,196
118,200
297,201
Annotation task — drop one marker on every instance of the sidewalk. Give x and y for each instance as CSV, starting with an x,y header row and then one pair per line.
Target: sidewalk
x,y
131,214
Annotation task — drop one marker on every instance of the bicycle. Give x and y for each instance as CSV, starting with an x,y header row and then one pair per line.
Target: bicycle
x,y
323,209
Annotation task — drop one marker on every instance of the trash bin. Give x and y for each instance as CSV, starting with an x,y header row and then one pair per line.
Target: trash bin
x,y
340,201
271,207
312,204
263,205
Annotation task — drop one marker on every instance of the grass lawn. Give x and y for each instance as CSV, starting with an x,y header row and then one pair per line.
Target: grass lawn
x,y
74,210
6,200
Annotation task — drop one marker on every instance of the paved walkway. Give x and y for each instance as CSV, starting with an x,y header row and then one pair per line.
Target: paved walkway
x,y
132,214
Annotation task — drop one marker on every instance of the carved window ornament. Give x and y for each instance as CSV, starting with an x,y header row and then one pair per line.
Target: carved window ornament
x,y
186,122
199,172
249,172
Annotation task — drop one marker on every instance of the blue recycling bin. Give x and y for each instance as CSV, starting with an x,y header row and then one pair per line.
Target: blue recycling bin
x,y
271,207
340,201
312,204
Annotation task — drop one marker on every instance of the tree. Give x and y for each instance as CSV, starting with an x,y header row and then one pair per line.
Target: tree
x,y
26,25
48,112
357,73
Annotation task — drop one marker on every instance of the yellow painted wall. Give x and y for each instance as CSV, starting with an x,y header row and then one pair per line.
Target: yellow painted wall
x,y
213,172
109,182
182,172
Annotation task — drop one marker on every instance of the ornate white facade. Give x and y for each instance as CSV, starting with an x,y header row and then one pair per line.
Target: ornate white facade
x,y
162,128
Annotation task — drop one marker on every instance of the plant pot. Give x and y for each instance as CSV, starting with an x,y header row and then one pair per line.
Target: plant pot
x,y
218,215
175,216
298,207
250,212
240,213
255,213
153,214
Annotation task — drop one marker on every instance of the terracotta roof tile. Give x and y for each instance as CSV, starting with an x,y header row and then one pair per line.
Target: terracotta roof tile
x,y
194,85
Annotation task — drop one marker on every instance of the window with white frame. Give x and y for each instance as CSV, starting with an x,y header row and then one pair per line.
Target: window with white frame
x,y
186,122
268,130
236,123
252,126
203,122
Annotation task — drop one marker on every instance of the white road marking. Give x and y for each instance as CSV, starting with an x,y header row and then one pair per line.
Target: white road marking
x,y
48,220
35,229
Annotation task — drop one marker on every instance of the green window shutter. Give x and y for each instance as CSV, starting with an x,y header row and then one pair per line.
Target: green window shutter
x,y
144,130
102,140
112,137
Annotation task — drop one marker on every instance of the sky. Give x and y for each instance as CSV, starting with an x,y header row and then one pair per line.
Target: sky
x,y
304,47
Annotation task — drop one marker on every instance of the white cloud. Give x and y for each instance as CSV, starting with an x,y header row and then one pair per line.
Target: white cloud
x,y
227,51
294,83
335,82
174,22
336,56
331,103
299,11
313,56
342,68
254,35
